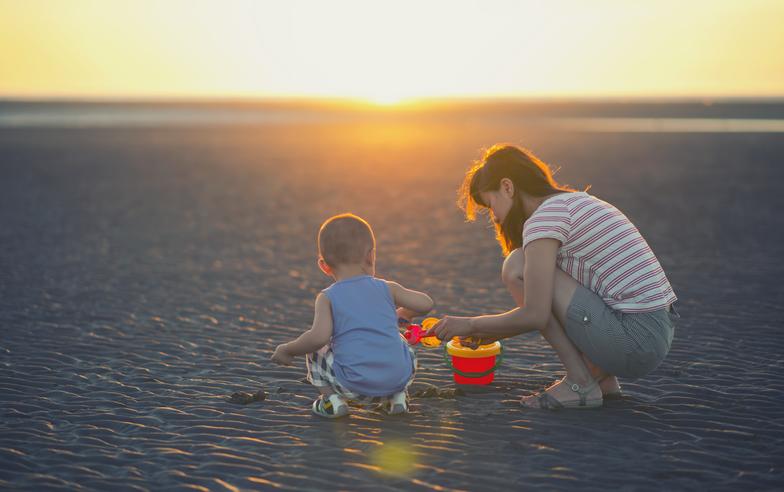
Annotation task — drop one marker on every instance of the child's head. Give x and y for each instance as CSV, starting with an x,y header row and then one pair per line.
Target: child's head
x,y
346,240
512,172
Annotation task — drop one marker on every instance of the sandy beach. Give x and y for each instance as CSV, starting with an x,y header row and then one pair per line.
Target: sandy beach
x,y
146,274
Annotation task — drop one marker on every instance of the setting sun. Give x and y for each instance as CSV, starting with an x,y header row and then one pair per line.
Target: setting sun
x,y
385,100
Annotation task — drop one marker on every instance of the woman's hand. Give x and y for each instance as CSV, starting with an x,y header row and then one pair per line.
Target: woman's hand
x,y
281,356
451,326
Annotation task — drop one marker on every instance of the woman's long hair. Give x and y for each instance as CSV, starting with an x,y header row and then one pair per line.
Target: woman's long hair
x,y
529,175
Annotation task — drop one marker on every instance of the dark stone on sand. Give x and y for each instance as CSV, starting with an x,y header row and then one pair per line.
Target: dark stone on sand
x,y
243,398
436,392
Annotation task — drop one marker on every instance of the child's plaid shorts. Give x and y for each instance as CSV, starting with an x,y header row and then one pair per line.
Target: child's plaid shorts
x,y
321,373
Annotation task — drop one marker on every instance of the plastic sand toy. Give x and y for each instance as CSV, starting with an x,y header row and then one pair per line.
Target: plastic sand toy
x,y
469,366
473,366
413,334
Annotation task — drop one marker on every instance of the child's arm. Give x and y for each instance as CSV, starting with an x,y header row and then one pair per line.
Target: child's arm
x,y
410,303
319,335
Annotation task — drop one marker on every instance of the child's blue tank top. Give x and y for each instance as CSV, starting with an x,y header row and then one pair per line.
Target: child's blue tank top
x,y
370,356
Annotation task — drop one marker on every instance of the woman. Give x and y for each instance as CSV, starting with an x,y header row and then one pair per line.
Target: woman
x,y
579,272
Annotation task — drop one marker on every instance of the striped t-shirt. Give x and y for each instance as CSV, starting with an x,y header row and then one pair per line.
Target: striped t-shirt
x,y
602,250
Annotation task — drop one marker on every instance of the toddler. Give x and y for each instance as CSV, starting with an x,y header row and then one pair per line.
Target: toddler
x,y
354,349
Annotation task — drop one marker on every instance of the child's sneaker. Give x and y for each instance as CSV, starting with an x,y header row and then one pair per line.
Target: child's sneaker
x,y
398,403
333,407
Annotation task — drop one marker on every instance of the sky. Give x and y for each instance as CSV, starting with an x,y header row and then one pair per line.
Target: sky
x,y
391,51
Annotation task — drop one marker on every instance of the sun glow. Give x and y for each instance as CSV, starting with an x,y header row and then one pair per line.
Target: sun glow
x,y
389,53
388,97
386,100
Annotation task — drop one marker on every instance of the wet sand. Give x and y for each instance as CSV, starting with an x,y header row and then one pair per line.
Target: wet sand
x,y
147,275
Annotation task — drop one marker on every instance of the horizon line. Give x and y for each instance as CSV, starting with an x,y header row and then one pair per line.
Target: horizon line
x,y
404,102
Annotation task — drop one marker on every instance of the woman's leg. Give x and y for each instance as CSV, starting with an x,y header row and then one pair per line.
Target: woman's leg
x,y
578,367
607,382
512,275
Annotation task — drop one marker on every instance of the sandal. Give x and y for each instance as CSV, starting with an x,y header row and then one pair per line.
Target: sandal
x,y
549,402
333,407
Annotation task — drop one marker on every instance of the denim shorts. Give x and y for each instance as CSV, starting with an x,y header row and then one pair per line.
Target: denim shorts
x,y
628,345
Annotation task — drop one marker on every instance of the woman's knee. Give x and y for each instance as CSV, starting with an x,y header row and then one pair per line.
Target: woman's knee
x,y
512,269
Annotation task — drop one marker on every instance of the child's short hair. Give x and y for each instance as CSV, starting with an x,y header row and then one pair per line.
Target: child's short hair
x,y
345,239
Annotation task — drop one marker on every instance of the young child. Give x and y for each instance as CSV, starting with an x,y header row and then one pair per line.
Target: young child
x,y
354,349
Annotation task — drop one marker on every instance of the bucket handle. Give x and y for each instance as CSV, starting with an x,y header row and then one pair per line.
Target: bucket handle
x,y
498,359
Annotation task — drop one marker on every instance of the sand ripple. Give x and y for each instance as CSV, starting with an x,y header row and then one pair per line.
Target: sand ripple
x,y
147,276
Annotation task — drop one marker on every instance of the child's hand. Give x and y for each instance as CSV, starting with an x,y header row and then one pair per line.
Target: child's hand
x,y
281,356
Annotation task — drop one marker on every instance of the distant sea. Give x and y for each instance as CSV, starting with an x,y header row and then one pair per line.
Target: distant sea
x,y
743,116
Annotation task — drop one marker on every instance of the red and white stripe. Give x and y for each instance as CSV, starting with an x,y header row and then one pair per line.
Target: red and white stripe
x,y
603,250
